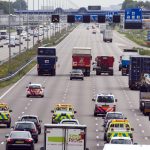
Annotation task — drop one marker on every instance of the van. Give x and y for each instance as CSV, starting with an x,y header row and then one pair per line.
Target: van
x,y
3,34
12,41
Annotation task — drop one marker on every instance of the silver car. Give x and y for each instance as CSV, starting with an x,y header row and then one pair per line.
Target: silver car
x,y
76,74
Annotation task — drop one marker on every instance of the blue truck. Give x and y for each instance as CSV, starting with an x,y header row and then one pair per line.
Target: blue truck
x,y
46,61
139,65
125,60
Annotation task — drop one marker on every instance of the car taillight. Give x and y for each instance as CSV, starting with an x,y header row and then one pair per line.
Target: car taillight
x,y
10,140
28,140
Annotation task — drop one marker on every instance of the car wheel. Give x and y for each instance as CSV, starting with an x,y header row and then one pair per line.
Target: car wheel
x,y
42,95
36,140
39,132
70,78
27,96
9,125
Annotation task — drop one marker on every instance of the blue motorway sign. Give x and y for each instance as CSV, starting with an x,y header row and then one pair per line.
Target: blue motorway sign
x,y
78,18
109,15
94,18
133,15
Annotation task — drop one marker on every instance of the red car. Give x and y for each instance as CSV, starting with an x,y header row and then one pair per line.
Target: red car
x,y
35,90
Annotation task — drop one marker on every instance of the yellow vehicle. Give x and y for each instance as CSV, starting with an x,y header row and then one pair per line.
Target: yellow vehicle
x,y
62,111
118,128
5,117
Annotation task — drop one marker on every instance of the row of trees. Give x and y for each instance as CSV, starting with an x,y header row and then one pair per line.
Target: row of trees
x,y
135,4
17,5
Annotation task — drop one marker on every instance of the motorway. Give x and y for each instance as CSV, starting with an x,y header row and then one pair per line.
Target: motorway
x,y
4,51
60,89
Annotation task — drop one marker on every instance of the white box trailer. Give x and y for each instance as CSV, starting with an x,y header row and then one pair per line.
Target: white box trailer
x,y
64,137
81,50
125,147
107,35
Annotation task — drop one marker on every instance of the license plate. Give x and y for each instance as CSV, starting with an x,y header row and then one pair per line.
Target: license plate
x,y
105,105
19,142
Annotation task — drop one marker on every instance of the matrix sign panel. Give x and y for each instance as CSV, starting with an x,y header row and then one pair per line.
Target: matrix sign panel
x,y
133,18
94,7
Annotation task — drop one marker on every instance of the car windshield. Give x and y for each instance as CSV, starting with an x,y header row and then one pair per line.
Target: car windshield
x,y
34,87
114,116
32,119
105,99
22,126
77,71
121,141
3,108
63,109
69,122
19,135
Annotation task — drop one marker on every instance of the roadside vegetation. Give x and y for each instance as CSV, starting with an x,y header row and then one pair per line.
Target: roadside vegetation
x,y
20,60
137,36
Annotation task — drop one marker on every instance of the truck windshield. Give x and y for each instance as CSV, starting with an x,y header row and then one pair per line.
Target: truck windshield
x,y
105,99
121,141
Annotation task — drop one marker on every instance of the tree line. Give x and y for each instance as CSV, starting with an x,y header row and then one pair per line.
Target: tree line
x,y
134,4
17,5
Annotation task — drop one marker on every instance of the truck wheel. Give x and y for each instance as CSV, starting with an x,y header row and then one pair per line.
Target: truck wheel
x,y
105,137
39,73
95,114
53,72
70,78
96,72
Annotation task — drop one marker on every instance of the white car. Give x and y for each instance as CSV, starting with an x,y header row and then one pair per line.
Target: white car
x,y
121,140
69,121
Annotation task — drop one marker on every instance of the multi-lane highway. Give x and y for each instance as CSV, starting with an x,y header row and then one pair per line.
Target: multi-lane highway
x,y
59,89
4,51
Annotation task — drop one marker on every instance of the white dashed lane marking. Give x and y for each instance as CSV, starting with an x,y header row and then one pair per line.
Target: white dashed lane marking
x,y
2,143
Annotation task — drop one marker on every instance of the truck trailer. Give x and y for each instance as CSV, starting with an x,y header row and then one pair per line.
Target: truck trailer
x,y
139,65
107,35
81,59
65,137
46,61
104,65
125,60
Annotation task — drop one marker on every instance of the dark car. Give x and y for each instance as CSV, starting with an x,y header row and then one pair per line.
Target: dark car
x,y
112,115
19,140
34,119
76,74
27,126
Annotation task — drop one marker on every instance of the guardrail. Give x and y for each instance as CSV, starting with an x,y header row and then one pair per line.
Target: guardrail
x,y
14,74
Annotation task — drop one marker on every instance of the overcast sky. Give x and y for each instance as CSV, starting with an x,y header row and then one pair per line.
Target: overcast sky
x,y
72,3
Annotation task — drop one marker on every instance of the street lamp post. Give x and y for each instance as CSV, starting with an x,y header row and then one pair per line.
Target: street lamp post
x,y
9,64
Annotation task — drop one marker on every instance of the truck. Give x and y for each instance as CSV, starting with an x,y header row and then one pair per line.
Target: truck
x,y
102,27
125,60
81,59
125,147
104,65
144,98
3,34
139,66
46,61
107,35
65,137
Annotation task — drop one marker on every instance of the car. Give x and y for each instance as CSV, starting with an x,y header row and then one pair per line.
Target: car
x,y
104,102
69,121
27,126
1,45
62,111
17,42
19,140
120,140
34,119
94,31
5,116
76,74
118,128
35,90
113,115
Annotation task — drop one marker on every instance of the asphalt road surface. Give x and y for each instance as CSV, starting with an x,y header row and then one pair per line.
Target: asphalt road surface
x,y
60,89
